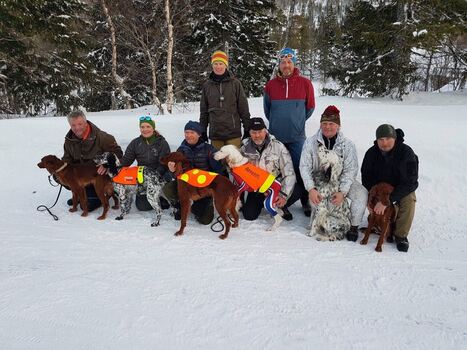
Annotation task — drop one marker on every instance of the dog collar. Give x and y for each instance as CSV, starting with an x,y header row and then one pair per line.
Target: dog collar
x,y
61,168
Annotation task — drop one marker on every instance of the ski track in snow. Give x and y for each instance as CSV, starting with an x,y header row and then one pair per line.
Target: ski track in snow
x,y
79,283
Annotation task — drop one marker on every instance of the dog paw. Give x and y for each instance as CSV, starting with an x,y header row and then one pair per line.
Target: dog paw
x,y
178,233
72,210
223,236
116,207
120,217
102,217
378,249
363,242
154,224
84,214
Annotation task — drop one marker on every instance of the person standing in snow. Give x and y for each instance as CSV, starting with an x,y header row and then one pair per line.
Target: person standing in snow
x,y
263,150
223,106
330,136
83,142
288,102
391,160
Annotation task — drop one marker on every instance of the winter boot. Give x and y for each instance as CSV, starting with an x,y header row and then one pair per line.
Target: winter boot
x,y
287,214
352,234
402,244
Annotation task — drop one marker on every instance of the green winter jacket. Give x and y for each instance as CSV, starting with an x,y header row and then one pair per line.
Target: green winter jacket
x,y
83,151
224,107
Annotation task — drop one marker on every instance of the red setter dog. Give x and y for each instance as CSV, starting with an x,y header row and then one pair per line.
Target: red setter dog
x,y
220,189
77,177
376,222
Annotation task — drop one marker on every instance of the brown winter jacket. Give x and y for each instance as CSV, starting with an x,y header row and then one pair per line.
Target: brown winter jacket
x,y
226,115
84,151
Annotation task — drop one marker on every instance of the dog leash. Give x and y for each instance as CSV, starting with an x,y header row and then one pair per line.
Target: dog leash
x,y
218,221
42,207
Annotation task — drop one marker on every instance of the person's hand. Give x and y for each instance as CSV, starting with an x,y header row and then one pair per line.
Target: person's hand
x,y
280,202
171,166
337,198
101,170
379,208
314,196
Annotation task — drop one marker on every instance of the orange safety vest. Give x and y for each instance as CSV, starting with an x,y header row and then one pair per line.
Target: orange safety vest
x,y
258,179
130,175
198,178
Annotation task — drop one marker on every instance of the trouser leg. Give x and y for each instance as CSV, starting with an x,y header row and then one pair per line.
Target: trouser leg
x,y
358,196
203,210
253,205
405,215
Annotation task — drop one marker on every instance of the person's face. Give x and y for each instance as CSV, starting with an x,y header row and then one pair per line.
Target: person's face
x,y
329,129
286,67
78,126
146,130
219,68
386,144
258,136
192,137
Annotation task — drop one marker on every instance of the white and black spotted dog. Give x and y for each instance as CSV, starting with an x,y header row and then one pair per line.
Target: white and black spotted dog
x,y
152,185
330,222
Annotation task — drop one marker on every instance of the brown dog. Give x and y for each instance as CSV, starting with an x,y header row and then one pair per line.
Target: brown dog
x,y
383,223
77,177
221,189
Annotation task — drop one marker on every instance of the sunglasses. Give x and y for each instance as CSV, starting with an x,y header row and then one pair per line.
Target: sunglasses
x,y
287,55
145,118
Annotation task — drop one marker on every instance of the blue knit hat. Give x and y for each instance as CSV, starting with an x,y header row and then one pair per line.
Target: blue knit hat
x,y
288,53
194,126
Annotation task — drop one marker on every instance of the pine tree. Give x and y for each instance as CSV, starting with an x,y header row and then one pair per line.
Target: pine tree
x,y
243,29
41,54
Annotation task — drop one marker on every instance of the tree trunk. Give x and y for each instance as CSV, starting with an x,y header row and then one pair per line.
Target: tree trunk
x,y
170,45
117,79
428,69
155,99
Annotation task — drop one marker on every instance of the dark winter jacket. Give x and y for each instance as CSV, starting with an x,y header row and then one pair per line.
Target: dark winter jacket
x,y
147,154
201,156
224,107
288,103
83,151
399,167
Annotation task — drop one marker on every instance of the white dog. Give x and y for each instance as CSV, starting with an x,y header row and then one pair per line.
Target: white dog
x,y
330,222
250,178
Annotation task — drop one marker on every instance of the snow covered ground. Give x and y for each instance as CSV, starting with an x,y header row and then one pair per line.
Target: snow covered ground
x,y
79,283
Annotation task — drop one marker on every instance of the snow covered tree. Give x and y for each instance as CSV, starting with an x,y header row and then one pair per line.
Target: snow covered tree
x,y
41,55
242,29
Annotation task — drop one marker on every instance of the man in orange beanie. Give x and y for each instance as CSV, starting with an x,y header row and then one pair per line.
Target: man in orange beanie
x,y
224,106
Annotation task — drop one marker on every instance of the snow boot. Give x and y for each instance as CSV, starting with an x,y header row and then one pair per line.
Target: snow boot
x,y
402,244
287,214
352,234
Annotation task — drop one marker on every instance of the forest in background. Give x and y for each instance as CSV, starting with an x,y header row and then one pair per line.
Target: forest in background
x,y
56,56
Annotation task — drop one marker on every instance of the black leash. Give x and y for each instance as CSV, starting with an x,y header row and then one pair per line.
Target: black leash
x,y
218,221
42,207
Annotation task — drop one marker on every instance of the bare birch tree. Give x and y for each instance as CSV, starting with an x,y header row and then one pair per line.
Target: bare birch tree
x,y
117,79
170,46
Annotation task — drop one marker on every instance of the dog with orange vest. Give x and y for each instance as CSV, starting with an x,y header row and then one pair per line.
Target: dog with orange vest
x,y
193,184
251,178
133,176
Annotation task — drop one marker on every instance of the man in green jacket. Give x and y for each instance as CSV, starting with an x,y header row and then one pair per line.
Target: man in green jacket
x,y
224,106
83,142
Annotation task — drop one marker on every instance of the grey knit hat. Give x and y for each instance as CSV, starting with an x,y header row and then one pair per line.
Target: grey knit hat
x,y
386,130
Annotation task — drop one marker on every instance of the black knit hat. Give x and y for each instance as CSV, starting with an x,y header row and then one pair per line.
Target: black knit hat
x,y
386,130
257,124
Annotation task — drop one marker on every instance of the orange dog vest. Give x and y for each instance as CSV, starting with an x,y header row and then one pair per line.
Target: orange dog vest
x,y
197,177
258,179
130,175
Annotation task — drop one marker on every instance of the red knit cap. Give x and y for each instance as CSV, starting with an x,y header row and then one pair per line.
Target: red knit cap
x,y
331,114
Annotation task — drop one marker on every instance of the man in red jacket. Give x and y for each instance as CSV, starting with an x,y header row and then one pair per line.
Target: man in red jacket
x,y
289,101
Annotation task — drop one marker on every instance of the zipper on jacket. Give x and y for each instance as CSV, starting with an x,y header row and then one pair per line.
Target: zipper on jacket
x,y
221,96
286,88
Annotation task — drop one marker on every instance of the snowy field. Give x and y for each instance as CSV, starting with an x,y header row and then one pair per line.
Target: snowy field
x,y
79,283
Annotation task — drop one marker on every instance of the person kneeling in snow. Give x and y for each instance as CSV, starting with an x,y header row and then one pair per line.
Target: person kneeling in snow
x,y
266,152
391,160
